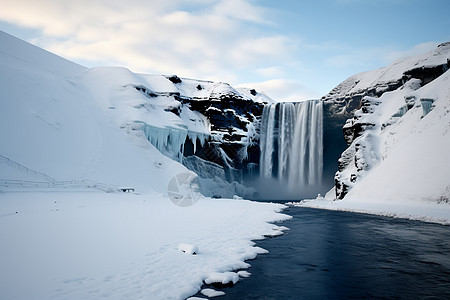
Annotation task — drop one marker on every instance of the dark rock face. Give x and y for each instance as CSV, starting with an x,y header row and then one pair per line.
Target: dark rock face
x,y
229,115
427,74
174,79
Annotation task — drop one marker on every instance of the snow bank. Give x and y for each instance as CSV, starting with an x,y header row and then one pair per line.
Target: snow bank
x,y
91,245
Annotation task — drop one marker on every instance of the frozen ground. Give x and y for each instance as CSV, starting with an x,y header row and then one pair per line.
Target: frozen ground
x,y
94,245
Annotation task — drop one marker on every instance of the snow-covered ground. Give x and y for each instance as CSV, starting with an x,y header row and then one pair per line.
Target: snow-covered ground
x,y
95,245
413,210
68,142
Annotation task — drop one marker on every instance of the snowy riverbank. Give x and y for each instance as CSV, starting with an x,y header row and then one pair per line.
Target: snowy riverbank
x,y
427,211
89,245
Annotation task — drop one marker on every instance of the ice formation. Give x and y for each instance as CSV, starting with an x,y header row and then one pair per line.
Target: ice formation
x,y
401,111
170,140
427,105
292,143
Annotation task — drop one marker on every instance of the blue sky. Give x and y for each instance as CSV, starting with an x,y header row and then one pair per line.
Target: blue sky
x,y
291,50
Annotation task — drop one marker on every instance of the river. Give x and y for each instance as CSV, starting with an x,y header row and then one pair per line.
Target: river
x,y
342,255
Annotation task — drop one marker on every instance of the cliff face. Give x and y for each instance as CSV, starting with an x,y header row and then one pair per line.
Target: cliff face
x,y
364,107
232,118
215,125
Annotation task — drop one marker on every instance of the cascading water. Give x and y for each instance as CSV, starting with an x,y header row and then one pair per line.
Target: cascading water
x,y
291,144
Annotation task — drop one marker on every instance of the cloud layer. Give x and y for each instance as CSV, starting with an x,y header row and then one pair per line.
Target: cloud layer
x,y
208,39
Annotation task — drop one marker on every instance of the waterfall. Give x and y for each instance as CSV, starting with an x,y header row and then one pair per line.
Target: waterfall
x,y
291,143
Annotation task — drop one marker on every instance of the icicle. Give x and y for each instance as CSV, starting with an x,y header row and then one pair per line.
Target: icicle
x,y
427,105
170,141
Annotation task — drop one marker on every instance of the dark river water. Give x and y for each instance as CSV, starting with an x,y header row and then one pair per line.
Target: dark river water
x,y
342,255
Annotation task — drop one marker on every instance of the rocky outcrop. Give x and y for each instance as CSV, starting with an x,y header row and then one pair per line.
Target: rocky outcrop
x,y
229,114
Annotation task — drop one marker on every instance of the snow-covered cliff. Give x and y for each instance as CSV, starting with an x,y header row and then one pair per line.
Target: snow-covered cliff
x,y
398,137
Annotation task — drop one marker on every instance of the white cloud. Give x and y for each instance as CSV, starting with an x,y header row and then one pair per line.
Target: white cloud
x,y
242,10
357,57
209,39
270,71
283,89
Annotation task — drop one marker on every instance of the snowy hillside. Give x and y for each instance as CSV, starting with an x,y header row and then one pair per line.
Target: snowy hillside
x,y
68,134
53,120
341,103
397,160
407,148
401,69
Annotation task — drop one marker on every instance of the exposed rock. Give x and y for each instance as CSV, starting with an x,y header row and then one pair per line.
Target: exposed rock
x,y
175,79
427,74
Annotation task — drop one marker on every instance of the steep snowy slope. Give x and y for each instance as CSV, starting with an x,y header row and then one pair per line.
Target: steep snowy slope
x,y
52,122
